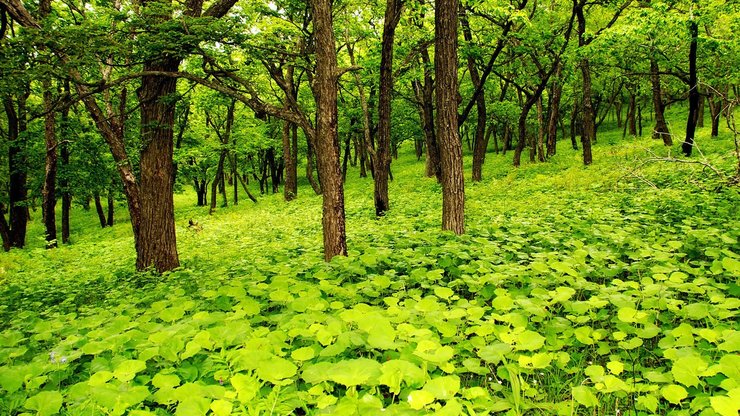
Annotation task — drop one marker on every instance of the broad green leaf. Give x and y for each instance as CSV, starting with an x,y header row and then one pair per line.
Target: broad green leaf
x,y
731,265
275,369
221,407
434,352
674,393
163,381
127,370
246,387
443,388
529,341
46,403
584,396
727,405
394,372
443,292
615,367
302,354
355,372
419,398
494,353
649,403
686,370
100,378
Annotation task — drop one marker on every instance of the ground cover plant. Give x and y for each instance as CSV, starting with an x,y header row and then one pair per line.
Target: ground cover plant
x,y
575,291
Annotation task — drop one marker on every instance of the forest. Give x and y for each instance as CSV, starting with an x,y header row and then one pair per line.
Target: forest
x,y
406,207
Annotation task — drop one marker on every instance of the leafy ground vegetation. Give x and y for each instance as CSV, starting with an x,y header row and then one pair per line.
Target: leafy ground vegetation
x,y
607,289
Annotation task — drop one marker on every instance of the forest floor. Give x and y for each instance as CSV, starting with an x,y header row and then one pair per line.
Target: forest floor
x,y
575,290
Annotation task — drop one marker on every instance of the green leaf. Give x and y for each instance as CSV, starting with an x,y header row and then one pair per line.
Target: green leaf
x,y
494,353
674,393
419,398
529,341
46,403
221,407
246,387
127,370
615,367
100,378
727,405
731,265
686,370
303,354
443,292
275,369
163,381
394,372
355,372
443,388
584,396
11,378
649,403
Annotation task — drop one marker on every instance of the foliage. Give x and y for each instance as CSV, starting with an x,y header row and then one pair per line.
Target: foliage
x,y
574,292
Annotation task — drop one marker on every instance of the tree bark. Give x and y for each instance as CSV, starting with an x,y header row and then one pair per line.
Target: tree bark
x,y
157,239
48,191
111,208
693,118
445,64
661,128
433,164
382,162
327,142
310,153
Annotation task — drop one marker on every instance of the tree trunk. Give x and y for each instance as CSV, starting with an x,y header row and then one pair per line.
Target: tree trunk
x,y
111,208
327,142
290,190
48,192
552,122
17,165
157,240
382,161
715,102
589,128
64,179
433,164
574,123
480,144
367,145
522,130
99,210
693,118
310,168
661,128
445,64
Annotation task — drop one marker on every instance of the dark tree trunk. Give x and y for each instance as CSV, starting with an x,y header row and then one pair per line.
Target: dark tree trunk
x,y
327,143
201,189
445,64
48,191
632,115
367,143
100,211
64,179
310,168
111,208
290,190
574,124
522,129
347,149
157,246
382,162
589,127
554,116
17,165
618,111
661,128
693,118
480,144
418,149
715,103
702,100
275,168
433,164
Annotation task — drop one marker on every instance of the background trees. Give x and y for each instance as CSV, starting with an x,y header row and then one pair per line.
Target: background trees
x,y
230,98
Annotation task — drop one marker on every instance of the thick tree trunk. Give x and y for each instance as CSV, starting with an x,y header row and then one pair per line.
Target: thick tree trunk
x,y
445,64
661,128
522,130
688,144
17,165
715,103
382,163
327,142
290,190
157,240
48,191
552,122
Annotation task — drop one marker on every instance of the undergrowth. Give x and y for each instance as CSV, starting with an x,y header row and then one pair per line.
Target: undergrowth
x,y
575,291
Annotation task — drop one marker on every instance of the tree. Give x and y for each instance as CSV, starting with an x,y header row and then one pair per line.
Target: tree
x,y
445,64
